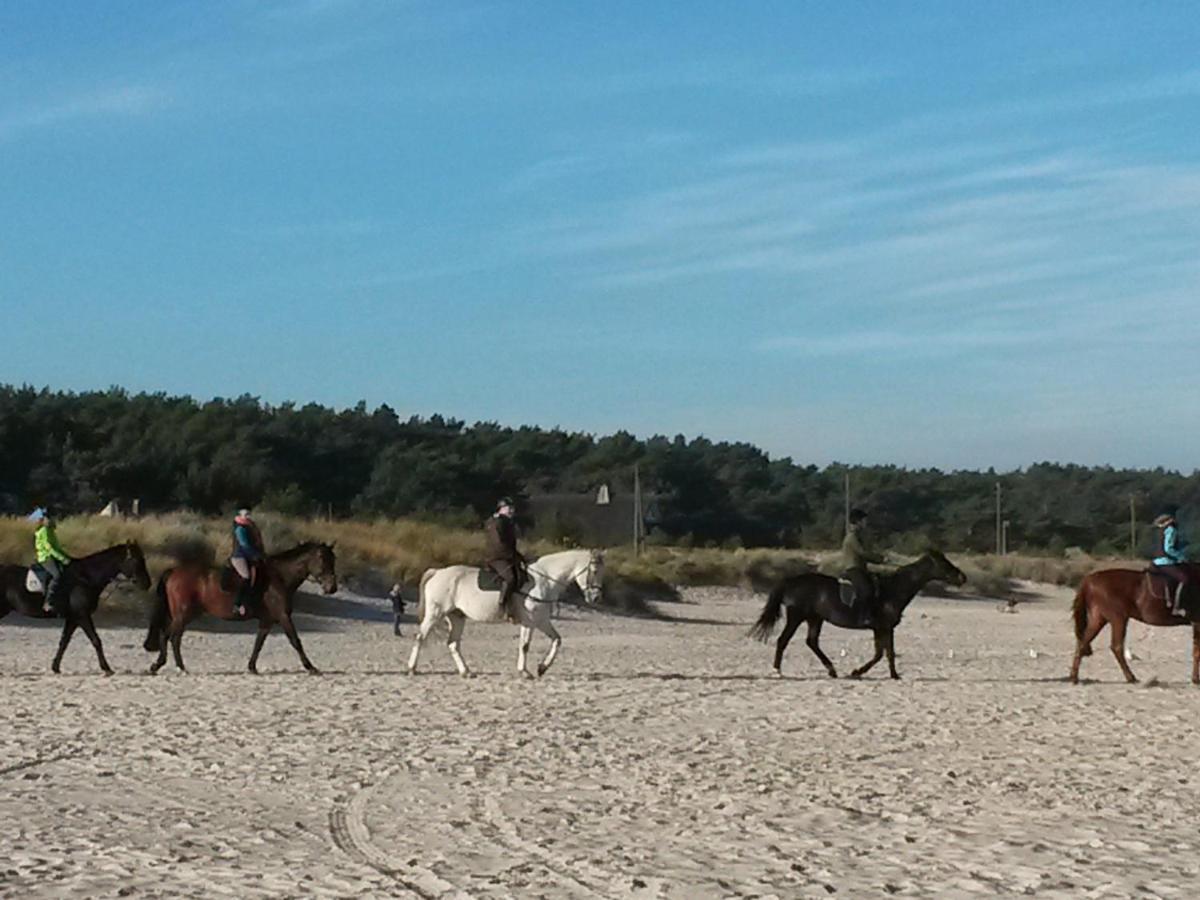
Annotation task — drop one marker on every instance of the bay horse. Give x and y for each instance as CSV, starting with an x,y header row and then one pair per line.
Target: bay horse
x,y
816,599
453,594
88,577
186,592
1113,597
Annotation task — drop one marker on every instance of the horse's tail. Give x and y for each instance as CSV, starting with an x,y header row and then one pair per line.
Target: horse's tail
x,y
761,630
421,594
1079,610
159,616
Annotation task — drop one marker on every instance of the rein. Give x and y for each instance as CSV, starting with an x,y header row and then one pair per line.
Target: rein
x,y
564,582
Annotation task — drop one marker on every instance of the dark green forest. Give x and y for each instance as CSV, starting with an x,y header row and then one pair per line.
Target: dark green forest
x,y
75,452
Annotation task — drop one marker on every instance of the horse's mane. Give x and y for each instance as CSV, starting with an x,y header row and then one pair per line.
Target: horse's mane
x,y
296,552
107,550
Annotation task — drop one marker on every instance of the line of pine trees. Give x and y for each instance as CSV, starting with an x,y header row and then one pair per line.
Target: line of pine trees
x,y
75,452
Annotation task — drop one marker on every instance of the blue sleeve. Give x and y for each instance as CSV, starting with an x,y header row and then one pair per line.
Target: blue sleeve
x,y
1173,546
245,542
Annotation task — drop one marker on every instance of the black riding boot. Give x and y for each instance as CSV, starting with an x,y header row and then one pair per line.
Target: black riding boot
x,y
506,601
55,587
245,598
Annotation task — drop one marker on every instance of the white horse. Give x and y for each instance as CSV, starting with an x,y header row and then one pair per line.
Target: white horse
x,y
453,594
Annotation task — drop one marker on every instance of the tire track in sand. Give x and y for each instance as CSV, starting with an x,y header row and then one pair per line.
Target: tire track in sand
x,y
348,829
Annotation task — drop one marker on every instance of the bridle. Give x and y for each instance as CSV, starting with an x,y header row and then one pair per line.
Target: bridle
x,y
590,586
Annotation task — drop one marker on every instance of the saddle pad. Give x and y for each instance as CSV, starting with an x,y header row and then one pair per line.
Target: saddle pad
x,y
33,584
488,580
847,592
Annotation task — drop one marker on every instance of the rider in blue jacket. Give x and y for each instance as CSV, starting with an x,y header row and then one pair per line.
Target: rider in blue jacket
x,y
1170,555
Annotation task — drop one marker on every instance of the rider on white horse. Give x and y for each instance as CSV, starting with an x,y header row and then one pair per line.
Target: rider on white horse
x,y
503,558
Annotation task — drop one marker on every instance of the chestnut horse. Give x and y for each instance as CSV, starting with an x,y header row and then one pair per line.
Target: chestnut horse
x,y
188,591
87,576
1113,597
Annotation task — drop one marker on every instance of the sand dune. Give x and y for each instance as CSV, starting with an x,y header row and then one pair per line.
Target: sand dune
x,y
656,760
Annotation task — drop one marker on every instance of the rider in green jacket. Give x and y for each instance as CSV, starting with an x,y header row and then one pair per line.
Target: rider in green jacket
x,y
52,558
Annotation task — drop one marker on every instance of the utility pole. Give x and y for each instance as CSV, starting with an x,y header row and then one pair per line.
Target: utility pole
x,y
637,510
846,512
1004,539
999,521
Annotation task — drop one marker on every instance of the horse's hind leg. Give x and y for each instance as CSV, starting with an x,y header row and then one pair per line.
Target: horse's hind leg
x,y
457,622
162,649
289,628
889,647
423,631
879,651
814,644
789,628
264,628
1083,646
89,628
1118,648
1196,653
175,635
69,626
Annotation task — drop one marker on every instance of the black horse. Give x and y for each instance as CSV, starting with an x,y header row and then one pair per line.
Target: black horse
x,y
89,576
816,599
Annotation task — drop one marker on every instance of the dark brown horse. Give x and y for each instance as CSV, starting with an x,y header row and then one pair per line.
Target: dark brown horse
x,y
1113,597
816,599
88,577
186,592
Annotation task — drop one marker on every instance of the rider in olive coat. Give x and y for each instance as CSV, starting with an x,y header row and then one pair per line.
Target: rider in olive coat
x,y
857,553
502,556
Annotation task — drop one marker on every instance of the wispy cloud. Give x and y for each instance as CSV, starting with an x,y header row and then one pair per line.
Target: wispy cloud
x,y
116,102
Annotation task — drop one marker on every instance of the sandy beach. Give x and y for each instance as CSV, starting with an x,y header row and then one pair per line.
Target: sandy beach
x,y
657,759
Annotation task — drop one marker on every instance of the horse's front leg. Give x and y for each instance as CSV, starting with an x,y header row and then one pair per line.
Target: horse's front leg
x,y
69,626
864,669
523,651
543,625
289,628
264,628
89,628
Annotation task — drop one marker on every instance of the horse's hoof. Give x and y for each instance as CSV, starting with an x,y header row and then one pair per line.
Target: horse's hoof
x,y
832,674
412,672
541,671
314,671
526,674
775,673
856,676
107,672
55,670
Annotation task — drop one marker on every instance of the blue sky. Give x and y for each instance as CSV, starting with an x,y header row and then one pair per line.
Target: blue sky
x,y
951,234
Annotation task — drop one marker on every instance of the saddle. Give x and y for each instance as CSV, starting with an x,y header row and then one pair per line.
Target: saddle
x,y
1163,588
847,592
859,610
230,580
489,580
36,580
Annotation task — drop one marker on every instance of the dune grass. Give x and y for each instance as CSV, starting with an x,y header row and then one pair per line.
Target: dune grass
x,y
372,554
